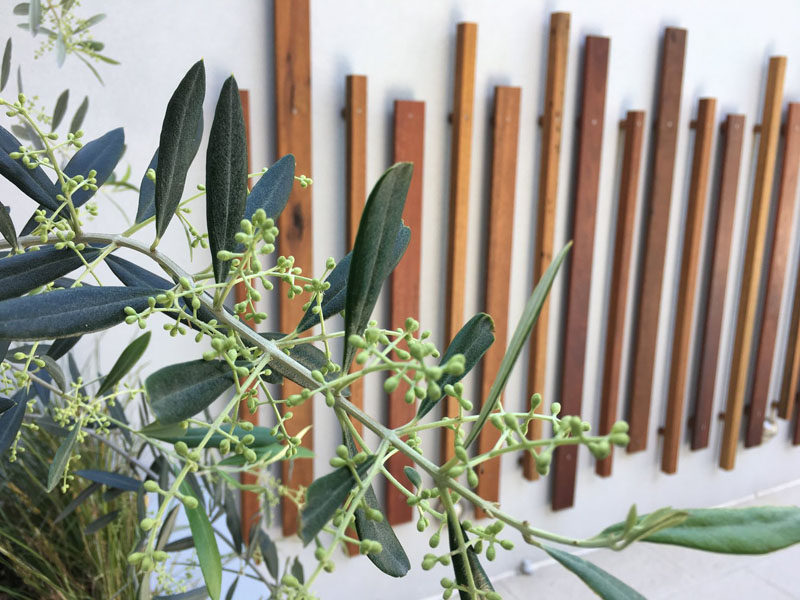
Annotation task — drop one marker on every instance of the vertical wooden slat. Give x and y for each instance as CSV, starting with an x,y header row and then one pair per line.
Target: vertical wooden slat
x,y
796,437
787,192
355,115
460,157
620,275
505,134
551,120
249,500
655,234
754,260
791,372
546,208
687,288
720,230
590,143
293,120
409,145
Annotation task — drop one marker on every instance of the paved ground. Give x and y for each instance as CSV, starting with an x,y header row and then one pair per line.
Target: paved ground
x,y
669,573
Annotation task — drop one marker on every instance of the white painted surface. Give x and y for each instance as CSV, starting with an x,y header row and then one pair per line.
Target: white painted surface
x,y
407,50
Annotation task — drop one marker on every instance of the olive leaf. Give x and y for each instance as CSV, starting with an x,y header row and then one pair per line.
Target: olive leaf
x,y
180,391
373,251
34,16
226,176
101,522
65,313
178,144
271,192
5,404
473,563
6,68
112,480
147,193
602,583
11,420
79,116
167,527
192,436
22,273
61,346
126,361
472,341
77,501
100,155
206,543
31,182
269,552
200,593
59,110
61,458
751,530
325,495
334,298
7,229
521,333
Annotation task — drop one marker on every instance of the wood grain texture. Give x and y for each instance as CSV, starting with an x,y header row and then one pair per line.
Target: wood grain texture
x,y
777,259
687,287
791,371
720,230
355,115
620,276
293,133
590,143
796,436
460,160
654,234
754,261
409,146
505,136
552,119
250,505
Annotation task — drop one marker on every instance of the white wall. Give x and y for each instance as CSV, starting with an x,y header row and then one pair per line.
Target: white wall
x,y
407,50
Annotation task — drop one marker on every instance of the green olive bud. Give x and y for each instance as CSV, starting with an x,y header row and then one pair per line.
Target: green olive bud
x,y
147,524
151,486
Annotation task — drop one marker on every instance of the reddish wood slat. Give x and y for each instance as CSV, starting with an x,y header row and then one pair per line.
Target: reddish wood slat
x,y
796,437
787,192
791,372
355,112
546,209
655,234
460,157
754,261
721,216
409,145
687,289
249,500
293,121
620,275
505,135
590,143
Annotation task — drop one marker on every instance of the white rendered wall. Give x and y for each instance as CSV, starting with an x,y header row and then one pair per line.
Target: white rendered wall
x,y
407,51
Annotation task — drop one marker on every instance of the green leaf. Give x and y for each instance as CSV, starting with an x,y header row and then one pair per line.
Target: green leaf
x,y
206,543
297,570
269,552
521,333
93,20
233,521
80,115
126,361
271,192
226,176
180,391
479,577
373,251
34,16
11,420
114,480
392,559
7,228
77,501
602,583
101,522
147,193
231,589
167,527
22,9
62,346
325,495
100,155
306,354
5,404
65,313
183,543
472,341
192,436
178,144
334,298
413,476
22,273
31,182
59,110
752,530
6,68
61,458
52,368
